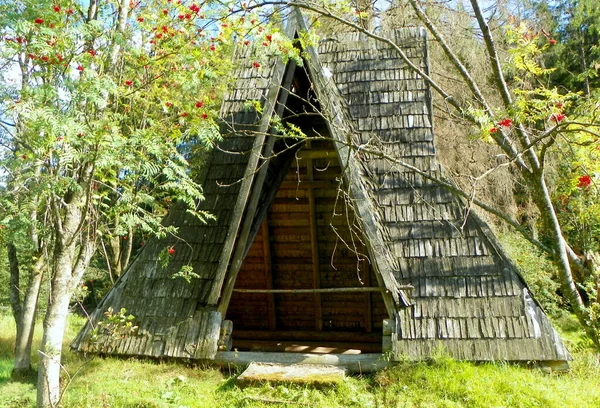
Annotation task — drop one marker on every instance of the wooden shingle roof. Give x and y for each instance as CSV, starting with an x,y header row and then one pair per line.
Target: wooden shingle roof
x,y
467,297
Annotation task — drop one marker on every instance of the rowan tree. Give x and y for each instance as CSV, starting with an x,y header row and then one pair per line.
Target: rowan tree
x,y
102,105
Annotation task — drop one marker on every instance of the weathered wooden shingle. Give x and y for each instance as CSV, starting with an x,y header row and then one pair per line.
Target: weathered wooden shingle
x,y
467,297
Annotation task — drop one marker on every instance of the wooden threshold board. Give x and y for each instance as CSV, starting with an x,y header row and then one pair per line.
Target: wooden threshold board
x,y
306,347
353,363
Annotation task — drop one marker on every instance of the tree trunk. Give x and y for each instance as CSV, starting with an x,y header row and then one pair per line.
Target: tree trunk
x,y
584,64
54,328
26,325
565,276
119,254
70,264
73,250
113,258
69,267
15,285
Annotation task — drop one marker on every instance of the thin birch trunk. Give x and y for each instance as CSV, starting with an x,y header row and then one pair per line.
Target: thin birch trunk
x,y
543,202
15,285
541,196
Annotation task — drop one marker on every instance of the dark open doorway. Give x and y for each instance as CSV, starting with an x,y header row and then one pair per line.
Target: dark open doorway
x,y
308,239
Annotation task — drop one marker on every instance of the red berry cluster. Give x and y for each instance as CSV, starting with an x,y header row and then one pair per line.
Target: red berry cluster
x,y
584,181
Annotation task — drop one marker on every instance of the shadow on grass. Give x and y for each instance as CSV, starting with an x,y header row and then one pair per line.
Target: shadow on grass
x,y
228,385
6,364
15,392
27,377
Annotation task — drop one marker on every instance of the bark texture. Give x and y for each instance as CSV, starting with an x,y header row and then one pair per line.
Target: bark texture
x,y
54,326
74,247
24,312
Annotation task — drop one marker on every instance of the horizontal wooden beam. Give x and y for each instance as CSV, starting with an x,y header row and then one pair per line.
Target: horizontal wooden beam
x,y
320,290
317,154
288,185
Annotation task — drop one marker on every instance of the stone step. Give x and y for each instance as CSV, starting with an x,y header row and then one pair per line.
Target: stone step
x,y
310,374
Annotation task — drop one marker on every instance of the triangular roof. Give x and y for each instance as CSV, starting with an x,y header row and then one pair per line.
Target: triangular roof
x,y
467,297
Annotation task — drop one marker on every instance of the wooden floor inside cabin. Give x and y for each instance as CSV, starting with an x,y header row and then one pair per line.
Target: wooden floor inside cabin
x,y
307,342
306,347
310,239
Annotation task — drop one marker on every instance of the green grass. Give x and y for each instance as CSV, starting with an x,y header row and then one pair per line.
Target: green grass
x,y
132,383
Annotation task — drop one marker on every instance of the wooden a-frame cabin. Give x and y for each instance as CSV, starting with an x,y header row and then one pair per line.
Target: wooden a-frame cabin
x,y
317,242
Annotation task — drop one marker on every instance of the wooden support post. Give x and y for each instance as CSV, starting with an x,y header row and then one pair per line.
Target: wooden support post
x,y
368,300
236,246
225,341
268,274
388,332
314,245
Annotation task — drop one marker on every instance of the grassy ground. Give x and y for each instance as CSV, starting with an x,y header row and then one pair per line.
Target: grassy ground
x,y
100,382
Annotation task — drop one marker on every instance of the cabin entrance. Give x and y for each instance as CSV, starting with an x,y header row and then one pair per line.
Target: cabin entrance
x,y
306,283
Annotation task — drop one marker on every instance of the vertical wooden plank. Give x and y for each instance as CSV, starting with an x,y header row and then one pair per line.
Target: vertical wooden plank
x,y
314,245
268,274
367,295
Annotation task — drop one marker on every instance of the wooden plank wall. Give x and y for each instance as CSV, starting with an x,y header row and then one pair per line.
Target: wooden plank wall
x,y
310,239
